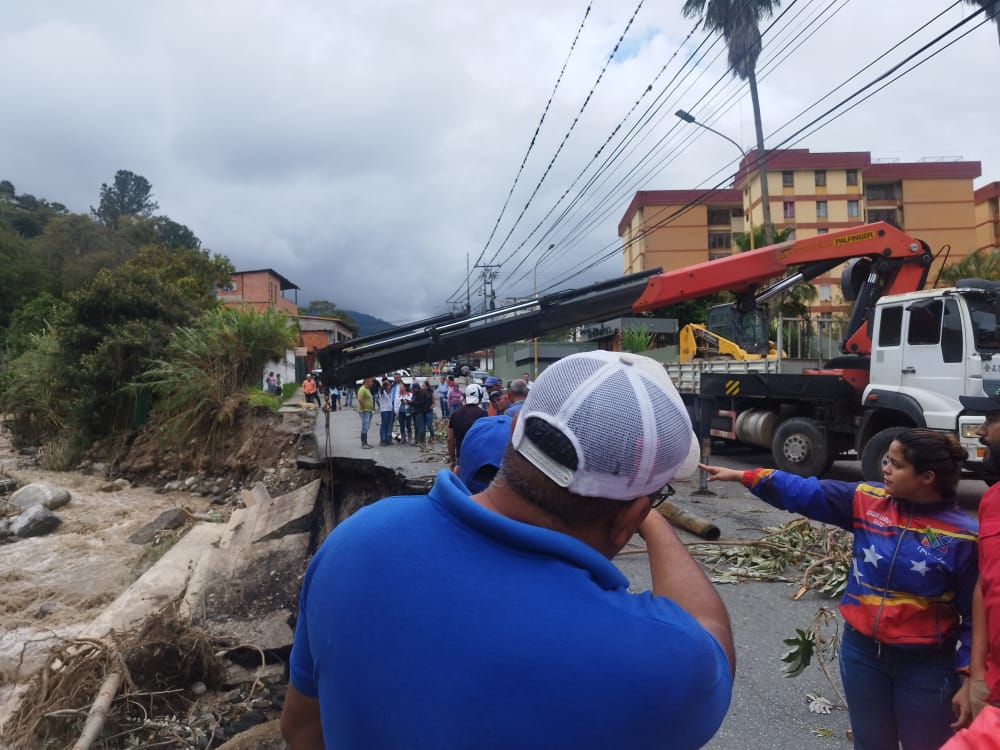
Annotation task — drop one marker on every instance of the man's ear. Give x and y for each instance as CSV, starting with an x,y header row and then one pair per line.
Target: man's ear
x,y
627,521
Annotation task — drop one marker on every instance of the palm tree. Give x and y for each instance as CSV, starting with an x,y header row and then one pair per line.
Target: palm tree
x,y
992,9
738,22
742,239
982,264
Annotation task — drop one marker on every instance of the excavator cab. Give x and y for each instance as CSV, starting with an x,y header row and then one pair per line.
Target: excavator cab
x,y
731,331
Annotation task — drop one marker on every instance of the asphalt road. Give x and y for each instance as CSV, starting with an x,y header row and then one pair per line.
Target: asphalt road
x,y
768,710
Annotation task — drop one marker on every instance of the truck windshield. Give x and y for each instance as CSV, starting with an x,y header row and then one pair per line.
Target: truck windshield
x,y
985,312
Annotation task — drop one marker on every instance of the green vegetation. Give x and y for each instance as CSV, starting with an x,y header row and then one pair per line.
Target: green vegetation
x,y
209,366
99,312
322,308
636,340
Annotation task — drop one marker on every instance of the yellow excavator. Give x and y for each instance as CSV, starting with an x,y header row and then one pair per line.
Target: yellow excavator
x,y
727,334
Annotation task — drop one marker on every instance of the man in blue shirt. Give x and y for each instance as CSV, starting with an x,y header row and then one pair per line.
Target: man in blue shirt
x,y
498,620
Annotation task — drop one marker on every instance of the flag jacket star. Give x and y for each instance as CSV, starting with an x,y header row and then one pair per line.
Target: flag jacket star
x,y
914,566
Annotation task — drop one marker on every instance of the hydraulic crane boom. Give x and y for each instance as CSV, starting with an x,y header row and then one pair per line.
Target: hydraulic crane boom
x,y
888,261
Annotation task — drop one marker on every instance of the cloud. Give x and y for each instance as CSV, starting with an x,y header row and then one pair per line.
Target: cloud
x,y
365,152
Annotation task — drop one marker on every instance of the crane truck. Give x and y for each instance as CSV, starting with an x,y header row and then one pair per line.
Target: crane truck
x,y
907,353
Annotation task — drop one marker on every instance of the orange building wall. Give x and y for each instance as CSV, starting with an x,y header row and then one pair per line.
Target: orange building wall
x,y
933,201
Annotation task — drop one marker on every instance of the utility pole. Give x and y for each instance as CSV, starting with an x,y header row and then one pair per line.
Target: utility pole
x,y
489,296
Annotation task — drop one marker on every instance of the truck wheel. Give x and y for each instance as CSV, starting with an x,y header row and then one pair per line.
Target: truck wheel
x,y
875,454
800,447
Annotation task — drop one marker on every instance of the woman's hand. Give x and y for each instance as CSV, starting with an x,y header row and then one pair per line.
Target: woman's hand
x,y
961,706
721,473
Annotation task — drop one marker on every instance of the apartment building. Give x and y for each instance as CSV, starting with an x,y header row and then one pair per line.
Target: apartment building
x,y
815,193
262,289
675,228
988,217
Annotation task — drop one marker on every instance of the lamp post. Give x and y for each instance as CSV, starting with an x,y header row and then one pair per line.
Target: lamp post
x,y
688,117
534,281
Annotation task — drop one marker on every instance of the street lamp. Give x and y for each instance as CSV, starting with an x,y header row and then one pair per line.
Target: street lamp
x,y
688,117
534,278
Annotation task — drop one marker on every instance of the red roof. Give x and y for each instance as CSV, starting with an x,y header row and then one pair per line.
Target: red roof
x,y
924,170
791,159
987,192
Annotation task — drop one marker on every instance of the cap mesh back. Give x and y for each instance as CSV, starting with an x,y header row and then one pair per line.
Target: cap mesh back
x,y
630,428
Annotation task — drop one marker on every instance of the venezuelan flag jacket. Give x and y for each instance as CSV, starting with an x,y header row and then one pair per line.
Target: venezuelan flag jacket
x,y
914,566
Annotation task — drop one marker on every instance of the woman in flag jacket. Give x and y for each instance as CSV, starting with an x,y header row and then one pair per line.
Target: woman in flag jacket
x,y
908,600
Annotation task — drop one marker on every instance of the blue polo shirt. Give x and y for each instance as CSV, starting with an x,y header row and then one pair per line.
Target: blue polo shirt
x,y
431,622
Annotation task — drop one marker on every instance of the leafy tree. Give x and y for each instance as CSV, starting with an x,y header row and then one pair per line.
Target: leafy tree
x,y
992,9
739,23
982,264
19,279
322,308
130,195
158,230
33,400
25,214
123,320
73,248
32,319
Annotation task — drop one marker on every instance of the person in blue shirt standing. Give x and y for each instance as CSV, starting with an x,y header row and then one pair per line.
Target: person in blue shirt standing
x,y
442,394
497,620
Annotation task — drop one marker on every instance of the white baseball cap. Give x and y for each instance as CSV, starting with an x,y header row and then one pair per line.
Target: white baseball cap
x,y
627,425
472,393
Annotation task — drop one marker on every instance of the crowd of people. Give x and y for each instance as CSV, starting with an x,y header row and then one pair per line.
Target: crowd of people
x,y
549,481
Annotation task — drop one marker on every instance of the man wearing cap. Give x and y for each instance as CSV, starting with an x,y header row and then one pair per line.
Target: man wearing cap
x,y
482,452
461,420
498,403
498,621
984,667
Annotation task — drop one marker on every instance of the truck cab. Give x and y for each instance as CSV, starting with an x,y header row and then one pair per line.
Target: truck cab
x,y
929,348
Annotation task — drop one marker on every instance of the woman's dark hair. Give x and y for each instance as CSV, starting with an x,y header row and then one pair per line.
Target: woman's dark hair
x,y
929,450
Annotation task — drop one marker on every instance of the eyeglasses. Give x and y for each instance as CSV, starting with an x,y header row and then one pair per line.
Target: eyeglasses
x,y
657,500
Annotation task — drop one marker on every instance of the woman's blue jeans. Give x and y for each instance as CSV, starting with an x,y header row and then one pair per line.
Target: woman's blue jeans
x,y
897,695
419,425
385,428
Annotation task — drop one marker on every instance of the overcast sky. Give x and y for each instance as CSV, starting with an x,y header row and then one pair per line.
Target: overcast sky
x,y
366,150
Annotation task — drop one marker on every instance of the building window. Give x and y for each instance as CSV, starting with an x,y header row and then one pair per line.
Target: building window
x,y
720,240
880,192
820,178
789,207
822,230
821,209
717,216
788,179
229,286
852,177
888,215
853,209
824,293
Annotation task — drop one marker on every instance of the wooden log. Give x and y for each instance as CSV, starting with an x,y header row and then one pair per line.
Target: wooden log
x,y
688,521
